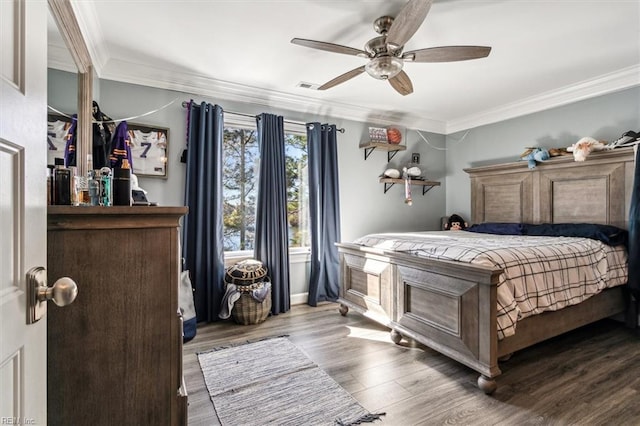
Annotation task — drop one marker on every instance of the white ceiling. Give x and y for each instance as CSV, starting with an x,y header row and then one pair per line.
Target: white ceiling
x,y
544,54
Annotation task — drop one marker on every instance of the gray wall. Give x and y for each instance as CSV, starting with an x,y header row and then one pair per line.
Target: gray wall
x,y
604,118
364,206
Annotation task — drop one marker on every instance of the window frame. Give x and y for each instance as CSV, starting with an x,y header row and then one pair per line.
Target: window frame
x,y
296,254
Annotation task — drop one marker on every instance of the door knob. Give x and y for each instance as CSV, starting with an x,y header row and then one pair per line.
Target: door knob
x,y
63,292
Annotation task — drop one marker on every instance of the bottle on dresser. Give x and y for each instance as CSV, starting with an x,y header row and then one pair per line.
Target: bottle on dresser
x,y
61,183
99,184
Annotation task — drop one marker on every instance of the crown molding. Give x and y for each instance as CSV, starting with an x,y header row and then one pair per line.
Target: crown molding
x,y
145,75
609,83
223,90
135,73
205,86
87,18
70,32
58,57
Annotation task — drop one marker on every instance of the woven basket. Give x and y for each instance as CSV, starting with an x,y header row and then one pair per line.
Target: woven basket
x,y
247,310
249,275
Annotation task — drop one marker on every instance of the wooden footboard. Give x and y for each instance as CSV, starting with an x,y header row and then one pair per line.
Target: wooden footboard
x,y
448,306
367,282
451,307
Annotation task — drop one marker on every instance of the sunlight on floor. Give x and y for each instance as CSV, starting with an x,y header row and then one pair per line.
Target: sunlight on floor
x,y
366,333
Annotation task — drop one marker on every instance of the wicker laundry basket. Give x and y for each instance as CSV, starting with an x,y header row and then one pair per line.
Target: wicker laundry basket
x,y
250,278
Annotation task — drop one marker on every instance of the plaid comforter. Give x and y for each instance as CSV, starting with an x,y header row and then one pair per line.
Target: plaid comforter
x,y
539,273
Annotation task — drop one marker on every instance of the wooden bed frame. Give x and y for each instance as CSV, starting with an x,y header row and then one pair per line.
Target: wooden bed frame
x,y
451,306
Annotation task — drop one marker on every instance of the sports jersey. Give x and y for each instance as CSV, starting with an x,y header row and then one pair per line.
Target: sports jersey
x,y
148,152
56,139
120,156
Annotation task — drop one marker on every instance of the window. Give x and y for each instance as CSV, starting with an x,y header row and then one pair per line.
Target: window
x,y
240,184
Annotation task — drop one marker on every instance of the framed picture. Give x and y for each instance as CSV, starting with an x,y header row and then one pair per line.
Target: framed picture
x,y
378,134
149,147
57,128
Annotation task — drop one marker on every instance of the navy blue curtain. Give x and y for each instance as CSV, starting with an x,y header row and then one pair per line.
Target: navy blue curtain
x,y
324,211
634,233
272,230
202,243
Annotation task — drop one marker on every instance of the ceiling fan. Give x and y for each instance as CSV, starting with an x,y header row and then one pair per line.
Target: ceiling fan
x,y
384,52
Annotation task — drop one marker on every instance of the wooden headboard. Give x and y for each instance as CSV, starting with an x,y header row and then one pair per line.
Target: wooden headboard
x,y
559,190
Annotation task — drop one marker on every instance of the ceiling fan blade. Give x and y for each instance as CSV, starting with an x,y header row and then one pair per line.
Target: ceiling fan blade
x,y
330,47
407,22
402,83
447,54
342,78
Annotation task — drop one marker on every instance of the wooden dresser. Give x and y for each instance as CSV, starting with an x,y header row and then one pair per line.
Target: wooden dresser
x,y
114,355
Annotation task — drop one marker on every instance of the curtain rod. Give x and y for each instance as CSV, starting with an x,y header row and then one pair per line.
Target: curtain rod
x,y
186,103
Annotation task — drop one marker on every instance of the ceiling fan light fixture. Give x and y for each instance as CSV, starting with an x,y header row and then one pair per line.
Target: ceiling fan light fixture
x,y
385,52
384,67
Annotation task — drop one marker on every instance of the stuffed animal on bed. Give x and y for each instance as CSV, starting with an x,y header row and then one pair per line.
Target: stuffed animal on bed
x,y
534,155
455,223
584,147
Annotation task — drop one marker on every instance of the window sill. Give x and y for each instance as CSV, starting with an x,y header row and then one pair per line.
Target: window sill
x,y
296,255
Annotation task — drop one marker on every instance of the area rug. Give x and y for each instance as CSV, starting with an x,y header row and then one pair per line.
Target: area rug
x,y
273,382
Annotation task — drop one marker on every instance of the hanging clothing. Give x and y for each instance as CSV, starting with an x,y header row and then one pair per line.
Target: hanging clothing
x,y
103,128
120,156
70,146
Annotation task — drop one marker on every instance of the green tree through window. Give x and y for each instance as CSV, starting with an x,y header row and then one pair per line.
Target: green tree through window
x,y
240,188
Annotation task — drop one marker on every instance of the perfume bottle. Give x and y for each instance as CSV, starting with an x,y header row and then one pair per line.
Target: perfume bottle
x,y
93,184
82,190
106,194
74,186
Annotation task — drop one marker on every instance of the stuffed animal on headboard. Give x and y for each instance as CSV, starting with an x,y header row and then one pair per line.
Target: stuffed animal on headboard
x,y
584,147
455,223
534,155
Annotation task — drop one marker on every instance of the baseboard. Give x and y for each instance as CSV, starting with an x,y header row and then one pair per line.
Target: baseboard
x,y
299,299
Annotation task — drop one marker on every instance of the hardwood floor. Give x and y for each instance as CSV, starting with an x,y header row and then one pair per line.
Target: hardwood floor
x,y
590,376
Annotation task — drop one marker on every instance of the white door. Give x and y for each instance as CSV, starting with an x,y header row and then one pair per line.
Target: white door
x,y
23,209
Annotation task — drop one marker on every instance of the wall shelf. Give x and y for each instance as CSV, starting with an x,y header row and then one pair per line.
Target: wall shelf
x,y
391,149
427,185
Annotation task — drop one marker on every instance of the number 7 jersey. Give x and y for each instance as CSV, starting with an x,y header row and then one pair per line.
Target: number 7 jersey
x,y
149,152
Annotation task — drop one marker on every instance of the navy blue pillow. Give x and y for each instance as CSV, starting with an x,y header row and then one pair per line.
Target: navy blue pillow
x,y
608,234
498,228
